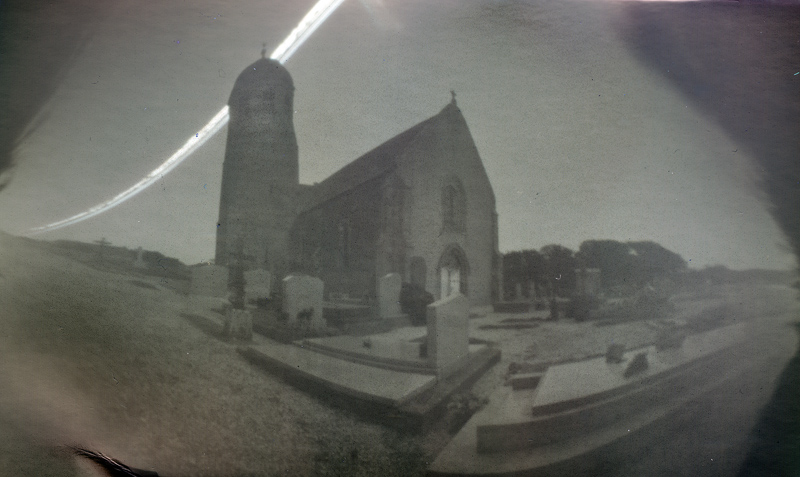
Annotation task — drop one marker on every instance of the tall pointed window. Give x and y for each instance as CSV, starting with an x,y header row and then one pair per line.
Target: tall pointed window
x,y
453,206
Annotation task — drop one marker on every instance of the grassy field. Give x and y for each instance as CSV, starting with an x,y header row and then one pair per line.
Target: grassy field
x,y
90,358
104,360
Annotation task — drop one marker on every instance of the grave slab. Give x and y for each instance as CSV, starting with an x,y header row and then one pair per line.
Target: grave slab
x,y
357,380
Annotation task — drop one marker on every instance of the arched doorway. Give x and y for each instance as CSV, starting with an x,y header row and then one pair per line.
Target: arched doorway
x,y
453,272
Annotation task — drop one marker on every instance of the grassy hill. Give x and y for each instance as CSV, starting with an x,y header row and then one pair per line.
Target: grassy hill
x,y
98,354
90,357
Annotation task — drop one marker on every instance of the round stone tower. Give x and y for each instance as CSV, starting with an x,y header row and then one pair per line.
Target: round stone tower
x,y
260,175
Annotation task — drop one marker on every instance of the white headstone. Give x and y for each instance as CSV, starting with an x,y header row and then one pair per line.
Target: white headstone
x,y
209,280
302,299
448,339
389,295
257,284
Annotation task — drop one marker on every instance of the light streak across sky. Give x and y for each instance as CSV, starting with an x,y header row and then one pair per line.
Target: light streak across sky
x,y
307,26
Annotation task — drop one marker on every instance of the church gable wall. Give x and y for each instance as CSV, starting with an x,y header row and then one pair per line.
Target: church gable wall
x,y
444,158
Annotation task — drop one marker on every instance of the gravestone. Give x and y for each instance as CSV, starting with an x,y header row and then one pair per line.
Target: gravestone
x,y
258,284
139,262
638,364
209,280
302,300
389,295
448,340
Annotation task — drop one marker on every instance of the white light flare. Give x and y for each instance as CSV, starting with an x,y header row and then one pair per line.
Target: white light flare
x,y
307,26
216,123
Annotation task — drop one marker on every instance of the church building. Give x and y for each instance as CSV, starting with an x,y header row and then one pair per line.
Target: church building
x,y
420,204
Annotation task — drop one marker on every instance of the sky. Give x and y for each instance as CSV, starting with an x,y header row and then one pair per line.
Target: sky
x,y
581,139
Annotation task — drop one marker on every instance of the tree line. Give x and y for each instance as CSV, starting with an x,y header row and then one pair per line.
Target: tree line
x,y
625,267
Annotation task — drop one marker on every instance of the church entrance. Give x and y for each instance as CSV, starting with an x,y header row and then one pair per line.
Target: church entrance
x,y
453,271
450,281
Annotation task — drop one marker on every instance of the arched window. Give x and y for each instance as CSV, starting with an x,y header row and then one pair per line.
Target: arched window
x,y
454,206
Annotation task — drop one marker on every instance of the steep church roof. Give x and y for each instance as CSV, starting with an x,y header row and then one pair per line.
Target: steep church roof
x,y
378,161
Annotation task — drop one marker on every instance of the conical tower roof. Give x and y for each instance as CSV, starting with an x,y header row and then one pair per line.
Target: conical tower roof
x,y
264,74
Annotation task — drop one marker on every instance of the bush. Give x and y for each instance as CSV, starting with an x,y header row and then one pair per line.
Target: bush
x,y
414,301
461,407
582,307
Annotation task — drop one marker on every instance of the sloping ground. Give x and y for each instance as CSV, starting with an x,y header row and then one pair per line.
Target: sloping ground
x,y
111,362
776,437
695,406
566,340
89,358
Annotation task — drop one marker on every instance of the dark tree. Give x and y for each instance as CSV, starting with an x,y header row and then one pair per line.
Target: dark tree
x,y
656,261
617,261
525,267
632,265
560,267
535,270
513,273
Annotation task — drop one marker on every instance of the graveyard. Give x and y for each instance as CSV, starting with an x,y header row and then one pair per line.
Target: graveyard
x,y
138,366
